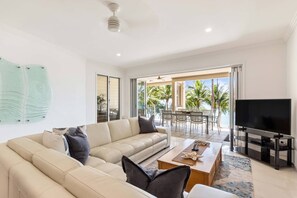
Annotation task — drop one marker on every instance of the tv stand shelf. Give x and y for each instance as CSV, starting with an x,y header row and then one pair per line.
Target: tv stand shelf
x,y
266,147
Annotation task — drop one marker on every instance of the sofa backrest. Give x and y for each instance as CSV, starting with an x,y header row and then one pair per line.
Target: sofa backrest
x,y
119,129
134,125
98,134
54,164
8,159
36,137
26,181
25,147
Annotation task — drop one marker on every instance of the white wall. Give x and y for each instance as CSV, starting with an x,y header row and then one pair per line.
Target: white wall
x,y
292,80
94,68
264,68
67,79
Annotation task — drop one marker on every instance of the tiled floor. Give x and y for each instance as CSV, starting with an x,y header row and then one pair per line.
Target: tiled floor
x,y
268,182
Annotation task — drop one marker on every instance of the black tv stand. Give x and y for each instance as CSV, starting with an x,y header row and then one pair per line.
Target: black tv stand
x,y
266,147
242,129
278,136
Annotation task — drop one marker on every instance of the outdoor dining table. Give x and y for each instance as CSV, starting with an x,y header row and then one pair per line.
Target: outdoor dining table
x,y
188,113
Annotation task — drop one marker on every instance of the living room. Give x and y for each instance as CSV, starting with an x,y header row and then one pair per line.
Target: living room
x,y
72,41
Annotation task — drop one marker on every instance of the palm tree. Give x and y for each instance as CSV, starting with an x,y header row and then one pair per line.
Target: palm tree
x,y
165,93
221,101
152,98
196,95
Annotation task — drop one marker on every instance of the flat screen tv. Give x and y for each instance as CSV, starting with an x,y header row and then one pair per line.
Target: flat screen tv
x,y
273,115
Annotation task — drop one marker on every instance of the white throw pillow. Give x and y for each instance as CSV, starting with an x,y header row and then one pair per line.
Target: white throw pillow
x,y
55,141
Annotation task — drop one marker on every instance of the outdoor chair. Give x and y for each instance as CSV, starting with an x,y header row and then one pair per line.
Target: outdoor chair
x,y
212,119
180,118
166,115
196,118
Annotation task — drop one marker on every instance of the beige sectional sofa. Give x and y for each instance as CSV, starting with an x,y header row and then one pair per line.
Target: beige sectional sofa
x,y
28,169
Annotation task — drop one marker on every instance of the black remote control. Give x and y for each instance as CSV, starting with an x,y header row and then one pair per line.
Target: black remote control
x,y
195,147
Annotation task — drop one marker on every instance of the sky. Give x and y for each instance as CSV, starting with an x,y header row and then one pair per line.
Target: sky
x,y
207,82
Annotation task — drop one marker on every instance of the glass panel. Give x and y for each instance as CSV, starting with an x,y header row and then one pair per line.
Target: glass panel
x,y
102,94
114,104
11,92
38,93
141,98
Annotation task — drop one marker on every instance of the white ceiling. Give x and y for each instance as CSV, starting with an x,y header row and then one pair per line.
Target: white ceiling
x,y
151,28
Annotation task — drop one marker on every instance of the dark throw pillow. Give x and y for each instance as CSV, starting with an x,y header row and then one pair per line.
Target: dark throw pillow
x,y
147,125
162,184
78,144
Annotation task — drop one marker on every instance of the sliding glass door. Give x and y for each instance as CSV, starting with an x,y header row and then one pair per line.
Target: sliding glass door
x,y
235,93
108,98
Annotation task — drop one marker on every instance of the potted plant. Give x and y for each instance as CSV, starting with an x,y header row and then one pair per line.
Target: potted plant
x,y
100,102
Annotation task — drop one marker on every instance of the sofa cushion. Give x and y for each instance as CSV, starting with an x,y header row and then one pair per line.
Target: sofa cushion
x,y
108,168
55,141
119,129
134,125
147,125
154,137
94,161
98,134
112,152
170,183
113,170
78,144
25,147
148,139
92,183
54,164
26,181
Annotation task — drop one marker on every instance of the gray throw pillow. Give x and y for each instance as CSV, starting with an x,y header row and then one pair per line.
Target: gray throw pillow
x,y
147,125
162,184
78,144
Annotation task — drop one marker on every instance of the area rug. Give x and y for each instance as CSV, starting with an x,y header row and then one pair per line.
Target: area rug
x,y
235,176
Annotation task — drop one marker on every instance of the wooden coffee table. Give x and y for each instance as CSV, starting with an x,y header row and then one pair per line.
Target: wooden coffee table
x,y
203,171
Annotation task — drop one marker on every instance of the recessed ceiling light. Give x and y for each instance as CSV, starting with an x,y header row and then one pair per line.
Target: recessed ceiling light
x,y
208,30
119,54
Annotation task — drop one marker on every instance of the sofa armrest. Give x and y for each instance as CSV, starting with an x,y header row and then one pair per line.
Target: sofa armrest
x,y
203,191
162,130
165,131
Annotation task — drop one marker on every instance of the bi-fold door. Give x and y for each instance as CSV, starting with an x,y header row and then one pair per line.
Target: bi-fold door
x,y
108,98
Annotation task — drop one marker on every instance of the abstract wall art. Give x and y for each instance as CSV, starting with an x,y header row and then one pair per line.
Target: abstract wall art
x,y
25,93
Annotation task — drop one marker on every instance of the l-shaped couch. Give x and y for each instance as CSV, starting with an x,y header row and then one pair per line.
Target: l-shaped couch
x,y
28,169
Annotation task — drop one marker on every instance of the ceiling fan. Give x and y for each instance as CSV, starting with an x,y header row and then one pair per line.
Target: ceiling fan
x,y
130,22
113,21
159,78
